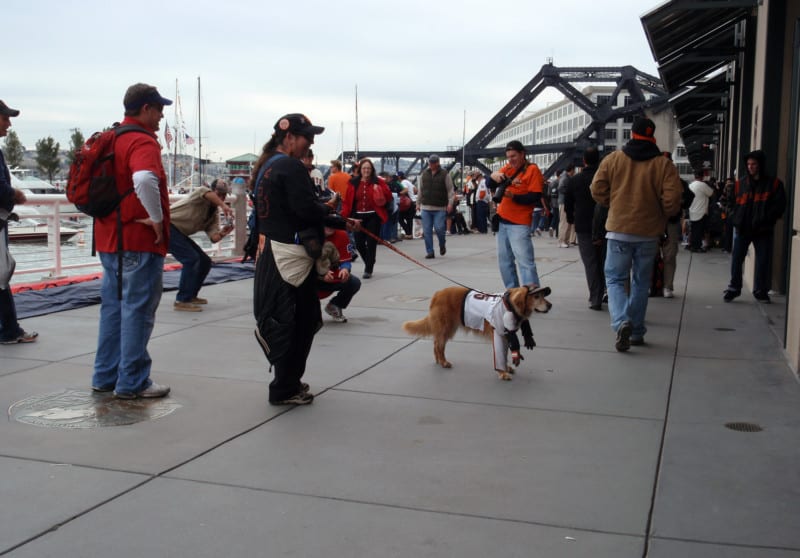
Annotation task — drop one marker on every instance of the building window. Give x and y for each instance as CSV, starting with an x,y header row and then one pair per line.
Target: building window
x,y
628,119
603,99
626,134
681,151
611,134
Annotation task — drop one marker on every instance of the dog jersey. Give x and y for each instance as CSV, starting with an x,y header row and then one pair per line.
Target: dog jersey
x,y
491,308
481,306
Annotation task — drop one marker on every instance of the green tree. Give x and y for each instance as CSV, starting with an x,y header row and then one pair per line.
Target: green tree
x,y
76,141
13,149
47,159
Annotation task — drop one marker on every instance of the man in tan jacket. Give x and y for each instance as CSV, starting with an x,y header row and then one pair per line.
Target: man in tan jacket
x,y
642,189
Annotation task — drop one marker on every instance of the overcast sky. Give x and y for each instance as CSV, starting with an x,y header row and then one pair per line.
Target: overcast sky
x,y
418,64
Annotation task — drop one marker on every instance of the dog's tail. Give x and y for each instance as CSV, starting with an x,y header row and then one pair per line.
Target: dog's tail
x,y
420,328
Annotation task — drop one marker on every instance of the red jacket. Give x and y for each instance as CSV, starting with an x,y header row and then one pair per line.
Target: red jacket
x,y
364,199
134,152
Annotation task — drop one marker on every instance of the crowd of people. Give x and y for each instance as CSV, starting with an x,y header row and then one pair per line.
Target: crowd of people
x,y
625,212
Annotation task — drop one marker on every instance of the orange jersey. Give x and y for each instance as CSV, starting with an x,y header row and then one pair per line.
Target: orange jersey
x,y
529,181
339,182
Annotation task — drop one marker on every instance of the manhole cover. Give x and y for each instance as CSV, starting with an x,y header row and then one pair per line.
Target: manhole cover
x,y
80,408
743,426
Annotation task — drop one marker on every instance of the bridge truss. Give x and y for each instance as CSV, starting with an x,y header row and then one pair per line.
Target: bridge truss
x,y
626,78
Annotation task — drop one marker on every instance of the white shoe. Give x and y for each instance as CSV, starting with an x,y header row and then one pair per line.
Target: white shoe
x,y
668,293
563,245
335,312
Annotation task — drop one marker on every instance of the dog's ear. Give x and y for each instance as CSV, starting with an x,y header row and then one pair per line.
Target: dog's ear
x,y
536,289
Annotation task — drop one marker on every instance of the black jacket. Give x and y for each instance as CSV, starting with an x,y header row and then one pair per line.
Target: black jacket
x,y
286,202
578,201
758,204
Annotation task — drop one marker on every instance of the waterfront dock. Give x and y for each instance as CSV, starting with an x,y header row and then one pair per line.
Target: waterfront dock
x,y
586,453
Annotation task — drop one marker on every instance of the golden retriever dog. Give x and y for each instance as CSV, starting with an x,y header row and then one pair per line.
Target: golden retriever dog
x,y
496,316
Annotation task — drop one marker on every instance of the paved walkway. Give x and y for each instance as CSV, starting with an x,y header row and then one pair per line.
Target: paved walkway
x,y
587,453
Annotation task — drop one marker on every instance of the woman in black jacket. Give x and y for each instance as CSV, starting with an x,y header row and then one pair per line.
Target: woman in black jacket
x,y
290,222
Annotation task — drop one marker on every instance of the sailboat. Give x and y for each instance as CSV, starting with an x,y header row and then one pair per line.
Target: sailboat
x,y
184,172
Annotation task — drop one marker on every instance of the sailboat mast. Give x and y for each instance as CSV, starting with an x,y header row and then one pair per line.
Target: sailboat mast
x,y
175,138
463,150
356,146
199,133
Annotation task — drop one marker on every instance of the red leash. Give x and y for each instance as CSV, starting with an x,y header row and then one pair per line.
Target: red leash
x,y
392,247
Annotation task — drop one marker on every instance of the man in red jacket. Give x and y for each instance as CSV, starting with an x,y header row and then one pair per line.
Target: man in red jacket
x,y
122,363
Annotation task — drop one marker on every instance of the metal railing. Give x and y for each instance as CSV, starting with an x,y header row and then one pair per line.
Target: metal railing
x,y
50,261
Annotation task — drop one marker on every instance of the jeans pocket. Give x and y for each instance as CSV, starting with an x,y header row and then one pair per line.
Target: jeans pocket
x,y
130,260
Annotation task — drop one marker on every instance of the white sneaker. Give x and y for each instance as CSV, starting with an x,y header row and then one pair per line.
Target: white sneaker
x,y
668,293
335,312
563,245
153,391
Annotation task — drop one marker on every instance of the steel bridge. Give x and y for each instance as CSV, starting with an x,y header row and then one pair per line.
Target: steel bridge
x,y
626,78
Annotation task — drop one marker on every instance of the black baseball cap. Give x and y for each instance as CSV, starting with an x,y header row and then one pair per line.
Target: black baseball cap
x,y
141,94
298,124
5,110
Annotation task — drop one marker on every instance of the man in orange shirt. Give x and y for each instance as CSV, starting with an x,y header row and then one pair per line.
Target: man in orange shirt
x,y
517,189
339,182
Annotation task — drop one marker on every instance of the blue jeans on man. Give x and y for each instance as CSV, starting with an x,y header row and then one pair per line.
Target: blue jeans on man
x,y
122,361
626,260
515,249
196,264
434,219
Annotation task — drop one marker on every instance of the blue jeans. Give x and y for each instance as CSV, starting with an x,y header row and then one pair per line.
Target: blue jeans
x,y
122,361
196,264
624,260
433,219
389,228
515,248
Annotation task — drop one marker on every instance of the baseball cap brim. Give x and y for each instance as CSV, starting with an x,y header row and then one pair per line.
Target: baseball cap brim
x,y
5,110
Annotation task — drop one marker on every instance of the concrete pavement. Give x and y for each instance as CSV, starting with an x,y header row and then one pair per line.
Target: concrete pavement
x,y
587,453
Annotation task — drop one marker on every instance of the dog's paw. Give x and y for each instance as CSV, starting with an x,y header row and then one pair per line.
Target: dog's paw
x,y
505,376
445,364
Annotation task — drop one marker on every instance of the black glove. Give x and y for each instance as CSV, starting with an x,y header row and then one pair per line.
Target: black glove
x,y
527,334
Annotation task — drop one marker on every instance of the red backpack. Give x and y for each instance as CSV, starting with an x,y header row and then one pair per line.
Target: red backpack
x,y
92,185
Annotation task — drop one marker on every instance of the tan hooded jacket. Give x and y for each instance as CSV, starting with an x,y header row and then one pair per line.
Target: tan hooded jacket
x,y
640,187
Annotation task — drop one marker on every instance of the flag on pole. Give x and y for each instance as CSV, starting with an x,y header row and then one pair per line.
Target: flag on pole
x,y
167,133
188,139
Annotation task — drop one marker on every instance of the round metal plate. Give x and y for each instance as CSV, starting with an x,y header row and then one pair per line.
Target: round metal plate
x,y
81,408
